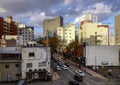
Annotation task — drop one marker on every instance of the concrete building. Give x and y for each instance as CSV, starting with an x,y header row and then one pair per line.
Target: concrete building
x,y
66,33
102,55
10,63
88,17
11,41
8,26
94,34
49,25
36,62
27,33
117,30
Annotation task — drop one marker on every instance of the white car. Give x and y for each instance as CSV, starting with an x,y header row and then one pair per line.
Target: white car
x,y
58,67
64,67
79,72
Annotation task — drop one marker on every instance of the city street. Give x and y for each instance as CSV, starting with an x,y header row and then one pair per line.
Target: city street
x,y
62,77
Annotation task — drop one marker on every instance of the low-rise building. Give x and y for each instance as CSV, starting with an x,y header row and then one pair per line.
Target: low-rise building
x,y
35,62
10,63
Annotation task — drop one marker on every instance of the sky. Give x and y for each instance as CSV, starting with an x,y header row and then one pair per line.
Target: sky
x,y
34,12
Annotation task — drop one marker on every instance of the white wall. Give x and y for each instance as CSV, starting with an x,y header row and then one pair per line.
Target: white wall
x,y
96,55
41,53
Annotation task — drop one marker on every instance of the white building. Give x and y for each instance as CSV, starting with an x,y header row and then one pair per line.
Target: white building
x,y
102,56
94,34
66,33
27,33
12,40
36,62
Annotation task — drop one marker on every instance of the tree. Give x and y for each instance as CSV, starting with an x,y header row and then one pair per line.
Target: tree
x,y
55,43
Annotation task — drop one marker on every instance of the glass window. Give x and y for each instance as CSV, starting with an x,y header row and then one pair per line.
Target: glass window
x,y
29,65
6,66
31,54
17,65
41,64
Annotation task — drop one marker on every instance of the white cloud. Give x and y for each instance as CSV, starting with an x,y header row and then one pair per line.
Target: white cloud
x,y
2,10
77,20
66,2
99,8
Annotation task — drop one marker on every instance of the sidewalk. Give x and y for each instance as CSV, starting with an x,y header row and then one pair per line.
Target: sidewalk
x,y
93,73
89,71
55,75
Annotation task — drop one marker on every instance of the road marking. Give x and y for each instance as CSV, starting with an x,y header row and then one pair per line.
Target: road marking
x,y
71,72
86,82
70,77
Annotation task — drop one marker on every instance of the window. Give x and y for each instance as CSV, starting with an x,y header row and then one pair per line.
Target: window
x,y
17,65
6,66
41,64
29,65
31,54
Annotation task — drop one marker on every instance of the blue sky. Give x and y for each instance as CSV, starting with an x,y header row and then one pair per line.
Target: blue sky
x,y
33,12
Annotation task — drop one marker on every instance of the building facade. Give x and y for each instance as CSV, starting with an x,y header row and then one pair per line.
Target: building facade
x,y
94,34
117,30
27,33
49,25
36,62
8,26
102,55
10,64
66,33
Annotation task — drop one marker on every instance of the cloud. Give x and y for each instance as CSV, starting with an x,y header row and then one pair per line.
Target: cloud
x,y
37,19
66,2
33,12
77,20
99,8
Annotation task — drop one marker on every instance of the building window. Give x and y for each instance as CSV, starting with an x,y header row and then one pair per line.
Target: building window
x,y
17,65
31,54
6,66
41,64
29,65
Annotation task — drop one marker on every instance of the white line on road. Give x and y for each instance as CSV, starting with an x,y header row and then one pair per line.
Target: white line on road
x,y
70,77
71,72
86,82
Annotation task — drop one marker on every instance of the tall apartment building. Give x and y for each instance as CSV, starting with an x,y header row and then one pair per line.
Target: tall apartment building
x,y
94,34
117,29
66,33
88,17
8,26
27,33
49,25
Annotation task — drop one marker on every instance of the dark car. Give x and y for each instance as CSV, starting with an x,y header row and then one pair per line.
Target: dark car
x,y
21,82
78,78
73,83
67,64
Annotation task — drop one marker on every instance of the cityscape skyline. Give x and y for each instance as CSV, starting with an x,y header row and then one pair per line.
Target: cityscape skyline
x,y
34,12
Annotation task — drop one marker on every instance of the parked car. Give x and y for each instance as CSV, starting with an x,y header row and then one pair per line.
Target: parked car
x,y
21,82
64,67
66,64
73,83
58,67
78,78
80,72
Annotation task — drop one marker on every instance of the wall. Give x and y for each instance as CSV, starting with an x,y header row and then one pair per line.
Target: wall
x,y
96,55
41,53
